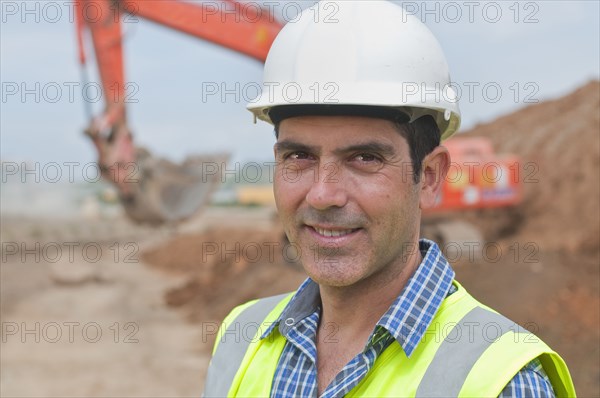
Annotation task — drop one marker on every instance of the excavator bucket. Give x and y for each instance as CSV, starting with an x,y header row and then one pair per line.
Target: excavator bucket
x,y
162,191
165,192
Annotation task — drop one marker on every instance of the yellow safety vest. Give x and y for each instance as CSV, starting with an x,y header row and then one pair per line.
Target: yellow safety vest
x,y
469,350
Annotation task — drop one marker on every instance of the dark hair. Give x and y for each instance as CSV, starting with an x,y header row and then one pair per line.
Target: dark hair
x,y
422,135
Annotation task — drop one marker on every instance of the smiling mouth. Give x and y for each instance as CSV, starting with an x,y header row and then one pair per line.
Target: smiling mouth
x,y
334,233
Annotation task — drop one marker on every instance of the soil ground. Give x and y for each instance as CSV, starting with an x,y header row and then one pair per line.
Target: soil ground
x,y
162,301
77,327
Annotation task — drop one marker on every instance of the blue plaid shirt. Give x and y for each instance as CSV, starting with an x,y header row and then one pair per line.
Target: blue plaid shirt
x,y
405,322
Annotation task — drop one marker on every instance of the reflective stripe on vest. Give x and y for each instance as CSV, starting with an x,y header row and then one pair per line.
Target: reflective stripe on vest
x,y
440,380
229,354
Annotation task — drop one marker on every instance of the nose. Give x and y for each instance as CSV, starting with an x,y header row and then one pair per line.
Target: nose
x,y
328,188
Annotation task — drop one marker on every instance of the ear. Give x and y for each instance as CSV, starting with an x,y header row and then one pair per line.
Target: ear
x,y
433,175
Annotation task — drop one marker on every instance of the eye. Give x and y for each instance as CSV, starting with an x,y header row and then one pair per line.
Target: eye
x,y
297,156
366,157
366,161
299,159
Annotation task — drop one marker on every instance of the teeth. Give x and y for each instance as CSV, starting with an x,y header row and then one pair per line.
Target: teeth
x,y
331,233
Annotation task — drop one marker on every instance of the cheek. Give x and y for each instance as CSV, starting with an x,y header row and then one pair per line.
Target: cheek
x,y
288,189
388,201
376,195
279,192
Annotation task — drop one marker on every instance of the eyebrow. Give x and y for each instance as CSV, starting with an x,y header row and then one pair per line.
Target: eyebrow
x,y
288,145
372,146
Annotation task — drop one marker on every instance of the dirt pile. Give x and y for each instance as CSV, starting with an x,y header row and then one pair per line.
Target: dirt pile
x,y
225,267
559,145
551,241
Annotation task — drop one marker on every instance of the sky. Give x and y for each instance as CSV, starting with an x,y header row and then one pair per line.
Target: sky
x,y
505,55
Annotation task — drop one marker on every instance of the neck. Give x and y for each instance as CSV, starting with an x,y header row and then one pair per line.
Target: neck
x,y
355,309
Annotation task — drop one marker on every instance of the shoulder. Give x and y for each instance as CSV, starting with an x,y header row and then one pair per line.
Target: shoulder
x,y
254,312
259,306
520,360
268,309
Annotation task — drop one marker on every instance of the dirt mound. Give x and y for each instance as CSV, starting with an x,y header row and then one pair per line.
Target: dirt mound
x,y
543,293
225,267
559,145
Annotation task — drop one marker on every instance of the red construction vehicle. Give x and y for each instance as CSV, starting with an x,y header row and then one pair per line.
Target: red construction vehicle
x,y
154,190
478,177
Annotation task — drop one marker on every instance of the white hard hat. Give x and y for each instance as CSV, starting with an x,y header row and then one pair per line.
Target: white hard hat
x,y
358,53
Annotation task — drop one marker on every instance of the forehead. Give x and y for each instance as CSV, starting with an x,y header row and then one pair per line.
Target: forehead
x,y
340,129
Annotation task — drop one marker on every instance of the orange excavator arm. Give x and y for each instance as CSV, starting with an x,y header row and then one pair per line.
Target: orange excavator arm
x,y
244,28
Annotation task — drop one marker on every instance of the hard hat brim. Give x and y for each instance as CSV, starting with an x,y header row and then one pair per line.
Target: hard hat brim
x,y
282,112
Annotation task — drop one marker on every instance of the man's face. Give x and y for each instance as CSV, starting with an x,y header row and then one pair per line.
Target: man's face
x,y
345,194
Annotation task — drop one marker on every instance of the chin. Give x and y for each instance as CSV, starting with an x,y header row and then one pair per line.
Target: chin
x,y
335,274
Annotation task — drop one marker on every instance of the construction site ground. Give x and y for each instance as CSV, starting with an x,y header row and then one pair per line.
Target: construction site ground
x,y
156,312
138,320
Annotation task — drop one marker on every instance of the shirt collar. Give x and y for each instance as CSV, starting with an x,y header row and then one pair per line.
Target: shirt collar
x,y
407,318
410,315
304,303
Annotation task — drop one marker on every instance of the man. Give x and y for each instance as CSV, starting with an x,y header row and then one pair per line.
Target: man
x,y
358,158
